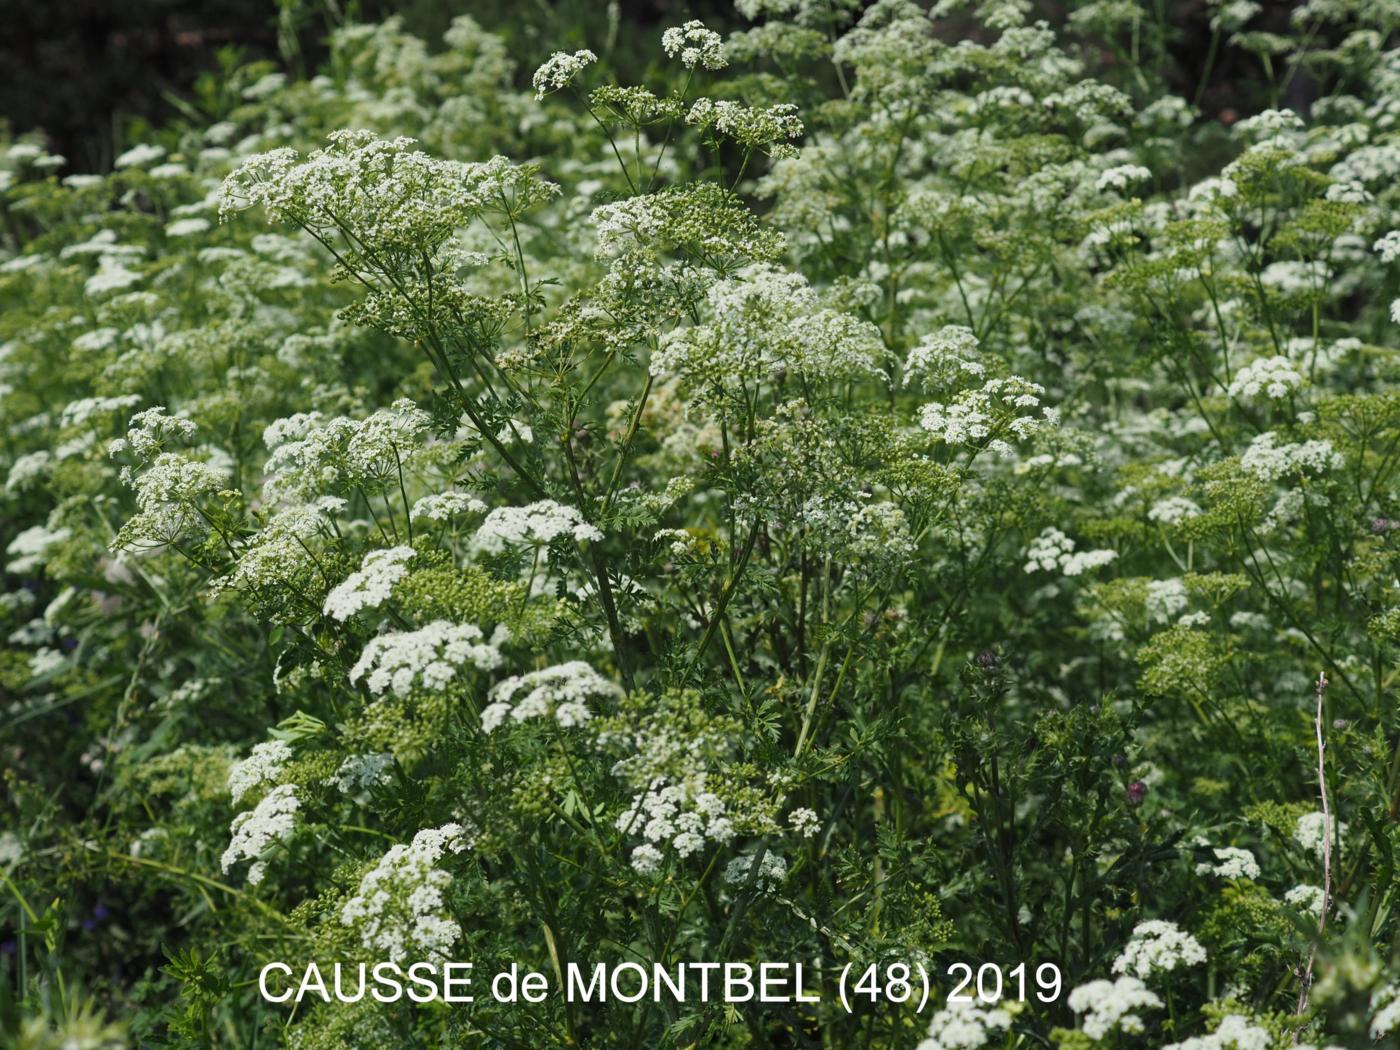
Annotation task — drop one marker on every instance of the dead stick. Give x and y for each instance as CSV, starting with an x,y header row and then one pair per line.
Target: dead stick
x,y
1326,849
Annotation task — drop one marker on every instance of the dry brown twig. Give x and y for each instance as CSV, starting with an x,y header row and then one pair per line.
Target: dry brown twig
x,y
1326,848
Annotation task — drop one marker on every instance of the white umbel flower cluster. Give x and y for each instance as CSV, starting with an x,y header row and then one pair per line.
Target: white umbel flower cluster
x,y
1305,898
428,658
187,227
1268,460
561,691
1268,123
1112,1006
536,524
168,494
1271,377
772,869
861,533
766,129
282,548
944,357
1158,946
1309,833
79,412
1385,1005
255,832
359,773
112,276
696,45
1173,510
44,661
1002,408
444,506
149,430
399,909
263,765
311,455
767,323
28,469
675,814
559,70
966,1025
1048,550
140,155
1231,862
1388,247
370,585
11,850
1166,599
1080,562
29,548
1235,1033
1123,176
391,196
805,822
1053,551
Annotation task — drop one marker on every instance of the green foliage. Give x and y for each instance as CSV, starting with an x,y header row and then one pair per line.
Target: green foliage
x,y
898,488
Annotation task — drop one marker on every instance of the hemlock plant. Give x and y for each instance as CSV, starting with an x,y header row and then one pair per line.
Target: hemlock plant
x,y
898,487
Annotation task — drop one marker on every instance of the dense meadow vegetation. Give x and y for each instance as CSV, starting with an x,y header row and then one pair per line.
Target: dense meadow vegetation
x,y
879,486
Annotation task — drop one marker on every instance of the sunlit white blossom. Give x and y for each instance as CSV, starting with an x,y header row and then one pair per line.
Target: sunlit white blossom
x,y
966,1024
536,523
1158,947
1112,1006
370,585
1271,377
400,911
695,45
429,658
258,830
561,692
559,70
1230,862
262,766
